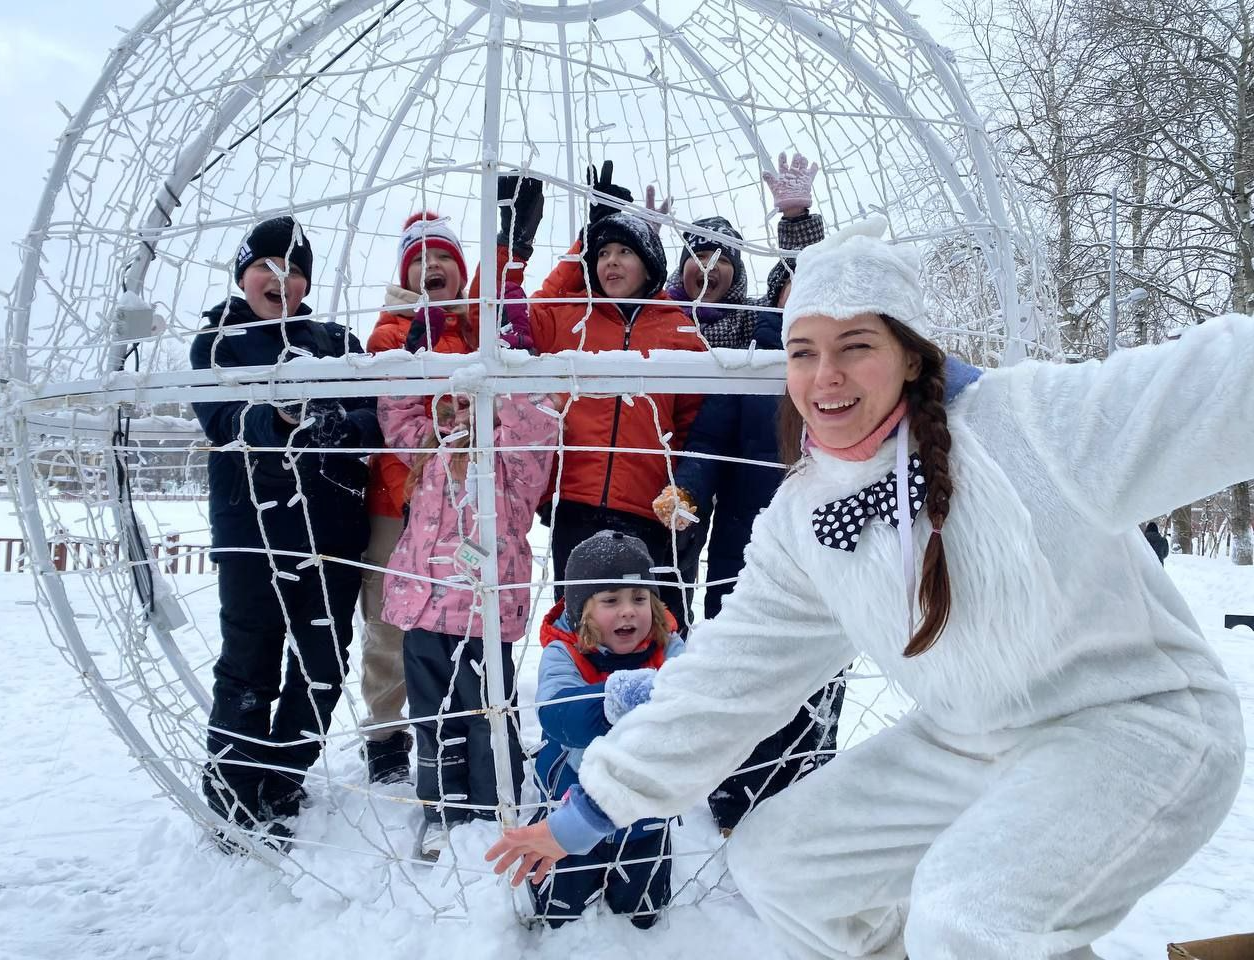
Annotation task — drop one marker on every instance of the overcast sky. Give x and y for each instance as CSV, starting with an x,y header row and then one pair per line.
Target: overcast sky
x,y
54,51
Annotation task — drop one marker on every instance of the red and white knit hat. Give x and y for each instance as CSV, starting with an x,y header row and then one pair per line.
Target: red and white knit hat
x,y
434,231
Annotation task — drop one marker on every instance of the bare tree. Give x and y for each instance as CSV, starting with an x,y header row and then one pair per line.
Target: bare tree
x,y
1154,104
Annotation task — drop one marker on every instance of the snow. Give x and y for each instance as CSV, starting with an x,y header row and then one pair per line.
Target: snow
x,y
95,865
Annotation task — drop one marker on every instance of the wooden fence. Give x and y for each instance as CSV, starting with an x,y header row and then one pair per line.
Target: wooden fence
x,y
82,553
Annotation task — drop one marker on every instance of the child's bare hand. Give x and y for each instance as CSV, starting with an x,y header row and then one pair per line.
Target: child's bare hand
x,y
674,508
534,846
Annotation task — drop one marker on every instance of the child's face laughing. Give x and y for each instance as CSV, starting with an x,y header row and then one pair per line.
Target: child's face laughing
x,y
623,618
436,274
273,291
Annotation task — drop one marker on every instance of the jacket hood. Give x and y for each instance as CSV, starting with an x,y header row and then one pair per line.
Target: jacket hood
x,y
630,232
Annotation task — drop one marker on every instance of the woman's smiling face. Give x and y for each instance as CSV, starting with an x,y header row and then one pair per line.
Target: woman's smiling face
x,y
846,376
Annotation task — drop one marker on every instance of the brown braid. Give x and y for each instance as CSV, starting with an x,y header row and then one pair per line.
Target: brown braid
x,y
925,398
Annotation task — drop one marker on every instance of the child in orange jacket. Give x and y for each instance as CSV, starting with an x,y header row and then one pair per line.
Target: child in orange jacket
x,y
622,261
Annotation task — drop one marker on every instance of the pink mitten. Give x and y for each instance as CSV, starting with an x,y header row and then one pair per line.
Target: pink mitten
x,y
793,187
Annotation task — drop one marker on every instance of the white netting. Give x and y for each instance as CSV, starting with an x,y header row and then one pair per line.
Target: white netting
x,y
350,116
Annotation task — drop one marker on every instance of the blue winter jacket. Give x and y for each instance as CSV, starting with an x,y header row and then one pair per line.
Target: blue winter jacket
x,y
333,483
570,725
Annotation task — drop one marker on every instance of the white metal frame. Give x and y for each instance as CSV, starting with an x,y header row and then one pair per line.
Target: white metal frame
x,y
490,373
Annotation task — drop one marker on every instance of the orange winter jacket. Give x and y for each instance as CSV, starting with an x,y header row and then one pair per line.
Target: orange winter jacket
x,y
385,494
621,481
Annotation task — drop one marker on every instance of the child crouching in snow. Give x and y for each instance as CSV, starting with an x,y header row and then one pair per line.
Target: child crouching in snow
x,y
607,636
443,641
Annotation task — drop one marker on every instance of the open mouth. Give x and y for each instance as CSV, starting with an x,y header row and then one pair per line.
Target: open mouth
x,y
836,409
625,633
434,284
275,297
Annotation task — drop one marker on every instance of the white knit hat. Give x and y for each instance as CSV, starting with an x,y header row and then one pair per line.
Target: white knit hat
x,y
855,272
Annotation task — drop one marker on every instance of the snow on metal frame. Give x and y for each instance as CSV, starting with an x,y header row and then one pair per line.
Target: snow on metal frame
x,y
881,109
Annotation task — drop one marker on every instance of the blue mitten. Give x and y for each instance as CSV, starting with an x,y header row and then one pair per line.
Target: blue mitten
x,y
627,689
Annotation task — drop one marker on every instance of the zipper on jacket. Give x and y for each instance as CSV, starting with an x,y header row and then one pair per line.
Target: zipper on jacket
x,y
628,323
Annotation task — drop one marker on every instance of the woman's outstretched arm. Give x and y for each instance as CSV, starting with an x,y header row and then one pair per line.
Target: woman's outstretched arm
x,y
1148,429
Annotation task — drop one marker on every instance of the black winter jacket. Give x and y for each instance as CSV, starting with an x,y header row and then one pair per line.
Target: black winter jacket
x,y
333,483
738,425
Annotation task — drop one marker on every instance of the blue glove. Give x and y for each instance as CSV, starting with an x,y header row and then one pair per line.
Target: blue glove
x,y
627,689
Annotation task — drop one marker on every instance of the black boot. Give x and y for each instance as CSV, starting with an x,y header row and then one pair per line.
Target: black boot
x,y
388,760
253,815
281,797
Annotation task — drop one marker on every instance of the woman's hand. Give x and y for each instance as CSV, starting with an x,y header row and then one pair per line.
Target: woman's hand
x,y
534,846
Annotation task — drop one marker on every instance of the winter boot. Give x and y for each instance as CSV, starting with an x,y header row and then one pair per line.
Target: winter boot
x,y
433,842
235,803
281,798
274,835
387,761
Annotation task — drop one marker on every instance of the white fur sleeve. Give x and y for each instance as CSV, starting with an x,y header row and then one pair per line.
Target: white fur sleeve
x,y
1149,429
743,675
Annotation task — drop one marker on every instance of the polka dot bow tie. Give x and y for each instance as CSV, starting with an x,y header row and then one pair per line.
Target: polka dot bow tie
x,y
839,524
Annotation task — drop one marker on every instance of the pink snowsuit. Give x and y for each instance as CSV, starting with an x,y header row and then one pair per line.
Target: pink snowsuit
x,y
441,515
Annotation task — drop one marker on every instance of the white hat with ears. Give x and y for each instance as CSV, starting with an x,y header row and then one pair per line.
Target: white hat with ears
x,y
855,271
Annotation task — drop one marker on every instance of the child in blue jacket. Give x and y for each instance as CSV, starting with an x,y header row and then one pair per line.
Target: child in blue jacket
x,y
608,636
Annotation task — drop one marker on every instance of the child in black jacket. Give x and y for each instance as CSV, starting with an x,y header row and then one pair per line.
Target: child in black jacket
x,y
270,512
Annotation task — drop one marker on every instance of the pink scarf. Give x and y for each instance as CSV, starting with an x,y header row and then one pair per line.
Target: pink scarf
x,y
865,448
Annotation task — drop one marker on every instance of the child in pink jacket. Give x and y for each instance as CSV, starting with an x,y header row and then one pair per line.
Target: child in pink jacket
x,y
443,645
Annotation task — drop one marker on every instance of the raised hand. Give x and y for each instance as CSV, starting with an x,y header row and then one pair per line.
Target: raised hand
x,y
650,197
533,848
520,218
603,183
792,188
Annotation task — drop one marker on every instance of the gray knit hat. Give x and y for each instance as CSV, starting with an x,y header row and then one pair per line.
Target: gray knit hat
x,y
611,560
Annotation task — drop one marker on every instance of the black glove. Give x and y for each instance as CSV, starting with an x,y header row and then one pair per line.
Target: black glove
x,y
521,220
330,422
605,184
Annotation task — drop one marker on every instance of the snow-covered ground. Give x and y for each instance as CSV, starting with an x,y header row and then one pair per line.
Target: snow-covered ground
x,y
93,865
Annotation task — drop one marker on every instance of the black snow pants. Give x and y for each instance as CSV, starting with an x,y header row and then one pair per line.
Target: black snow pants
x,y
260,613
782,758
637,889
454,759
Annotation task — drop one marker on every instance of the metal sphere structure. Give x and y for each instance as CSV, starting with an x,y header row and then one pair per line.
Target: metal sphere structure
x,y
351,114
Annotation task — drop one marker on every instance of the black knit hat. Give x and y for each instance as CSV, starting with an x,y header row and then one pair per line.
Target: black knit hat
x,y
630,232
274,238
611,560
708,239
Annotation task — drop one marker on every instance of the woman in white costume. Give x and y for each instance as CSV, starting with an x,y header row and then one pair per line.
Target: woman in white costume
x,y
1075,740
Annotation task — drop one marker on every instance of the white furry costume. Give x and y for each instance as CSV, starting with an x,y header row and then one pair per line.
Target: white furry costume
x,y
1076,739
